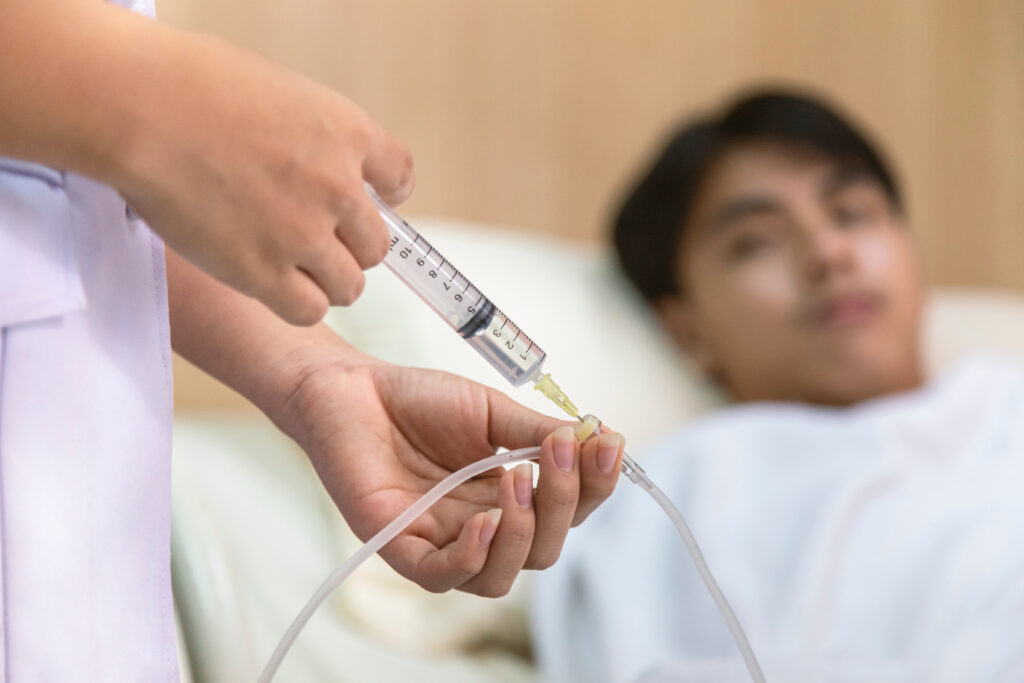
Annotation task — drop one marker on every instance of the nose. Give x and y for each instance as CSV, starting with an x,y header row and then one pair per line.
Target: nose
x,y
826,252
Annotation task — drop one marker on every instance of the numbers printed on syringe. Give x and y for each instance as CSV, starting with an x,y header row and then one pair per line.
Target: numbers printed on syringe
x,y
455,280
458,301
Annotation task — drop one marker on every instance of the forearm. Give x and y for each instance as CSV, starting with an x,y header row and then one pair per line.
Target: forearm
x,y
69,70
240,342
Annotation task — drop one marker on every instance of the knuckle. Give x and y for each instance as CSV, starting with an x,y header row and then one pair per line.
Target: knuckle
x,y
382,246
405,167
545,560
467,563
432,586
580,517
597,492
495,590
360,132
606,489
317,243
564,497
365,254
308,311
244,283
352,290
346,196
518,535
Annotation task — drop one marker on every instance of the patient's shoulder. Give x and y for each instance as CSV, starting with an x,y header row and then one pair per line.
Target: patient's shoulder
x,y
951,413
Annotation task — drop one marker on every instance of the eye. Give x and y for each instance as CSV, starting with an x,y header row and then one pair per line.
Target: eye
x,y
851,214
748,245
857,206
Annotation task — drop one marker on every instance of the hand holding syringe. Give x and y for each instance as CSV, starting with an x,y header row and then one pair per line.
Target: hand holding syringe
x,y
519,359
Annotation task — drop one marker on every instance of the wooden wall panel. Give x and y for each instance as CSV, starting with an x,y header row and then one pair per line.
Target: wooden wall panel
x,y
532,113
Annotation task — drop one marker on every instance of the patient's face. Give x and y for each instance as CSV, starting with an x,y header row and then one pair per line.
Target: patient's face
x,y
800,281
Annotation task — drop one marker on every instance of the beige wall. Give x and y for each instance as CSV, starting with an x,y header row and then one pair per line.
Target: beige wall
x,y
533,112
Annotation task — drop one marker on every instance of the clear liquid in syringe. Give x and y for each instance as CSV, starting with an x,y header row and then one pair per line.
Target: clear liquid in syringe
x,y
464,307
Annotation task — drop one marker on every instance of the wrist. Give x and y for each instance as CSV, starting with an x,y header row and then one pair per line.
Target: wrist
x,y
239,341
299,373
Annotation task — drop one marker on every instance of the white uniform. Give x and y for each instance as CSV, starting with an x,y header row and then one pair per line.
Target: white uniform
x,y
85,435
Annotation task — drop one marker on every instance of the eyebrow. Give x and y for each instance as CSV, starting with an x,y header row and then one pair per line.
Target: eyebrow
x,y
844,176
738,208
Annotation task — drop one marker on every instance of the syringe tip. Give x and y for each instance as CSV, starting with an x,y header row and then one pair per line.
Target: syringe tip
x,y
547,386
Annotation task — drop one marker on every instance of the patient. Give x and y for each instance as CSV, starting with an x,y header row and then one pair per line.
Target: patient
x,y
866,523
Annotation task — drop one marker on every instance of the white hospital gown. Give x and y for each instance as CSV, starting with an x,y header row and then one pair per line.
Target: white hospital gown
x,y
85,435
883,542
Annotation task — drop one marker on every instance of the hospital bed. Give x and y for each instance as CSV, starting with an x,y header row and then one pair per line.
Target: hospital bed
x,y
254,534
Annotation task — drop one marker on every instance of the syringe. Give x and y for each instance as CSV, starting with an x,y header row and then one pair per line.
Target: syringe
x,y
465,308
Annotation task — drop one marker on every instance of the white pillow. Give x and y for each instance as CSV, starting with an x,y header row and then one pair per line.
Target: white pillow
x,y
966,321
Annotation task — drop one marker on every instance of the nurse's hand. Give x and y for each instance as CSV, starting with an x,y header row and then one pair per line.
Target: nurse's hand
x,y
380,436
255,174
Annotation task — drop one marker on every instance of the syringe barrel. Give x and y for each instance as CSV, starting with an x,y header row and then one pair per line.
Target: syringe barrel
x,y
453,297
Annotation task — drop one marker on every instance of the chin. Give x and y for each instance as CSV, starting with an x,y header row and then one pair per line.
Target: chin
x,y
842,371
849,378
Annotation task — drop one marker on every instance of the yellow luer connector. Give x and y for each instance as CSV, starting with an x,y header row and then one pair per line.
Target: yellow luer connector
x,y
547,386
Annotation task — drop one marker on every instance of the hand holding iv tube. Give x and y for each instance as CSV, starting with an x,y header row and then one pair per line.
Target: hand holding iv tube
x,y
518,358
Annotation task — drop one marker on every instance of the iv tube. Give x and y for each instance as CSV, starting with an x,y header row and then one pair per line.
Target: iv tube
x,y
637,475
588,425
381,539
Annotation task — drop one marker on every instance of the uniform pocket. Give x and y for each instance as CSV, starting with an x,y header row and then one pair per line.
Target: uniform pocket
x,y
39,275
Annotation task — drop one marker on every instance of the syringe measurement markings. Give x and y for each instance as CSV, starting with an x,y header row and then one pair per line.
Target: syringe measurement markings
x,y
455,274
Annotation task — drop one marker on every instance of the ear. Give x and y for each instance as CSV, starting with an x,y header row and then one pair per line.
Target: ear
x,y
681,320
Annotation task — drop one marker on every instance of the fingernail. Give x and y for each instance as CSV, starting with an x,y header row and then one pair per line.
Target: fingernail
x,y
608,451
490,526
565,448
523,484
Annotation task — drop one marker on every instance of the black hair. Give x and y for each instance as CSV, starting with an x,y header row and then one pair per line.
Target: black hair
x,y
651,219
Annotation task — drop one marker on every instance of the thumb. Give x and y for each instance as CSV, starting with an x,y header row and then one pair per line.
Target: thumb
x,y
388,167
511,425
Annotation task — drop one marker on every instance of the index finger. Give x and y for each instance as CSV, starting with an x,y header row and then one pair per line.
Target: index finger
x,y
511,425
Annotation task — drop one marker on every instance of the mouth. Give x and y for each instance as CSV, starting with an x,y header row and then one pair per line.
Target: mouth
x,y
846,310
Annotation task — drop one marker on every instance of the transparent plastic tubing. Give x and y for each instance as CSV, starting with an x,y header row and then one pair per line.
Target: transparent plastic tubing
x,y
638,476
381,539
630,469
